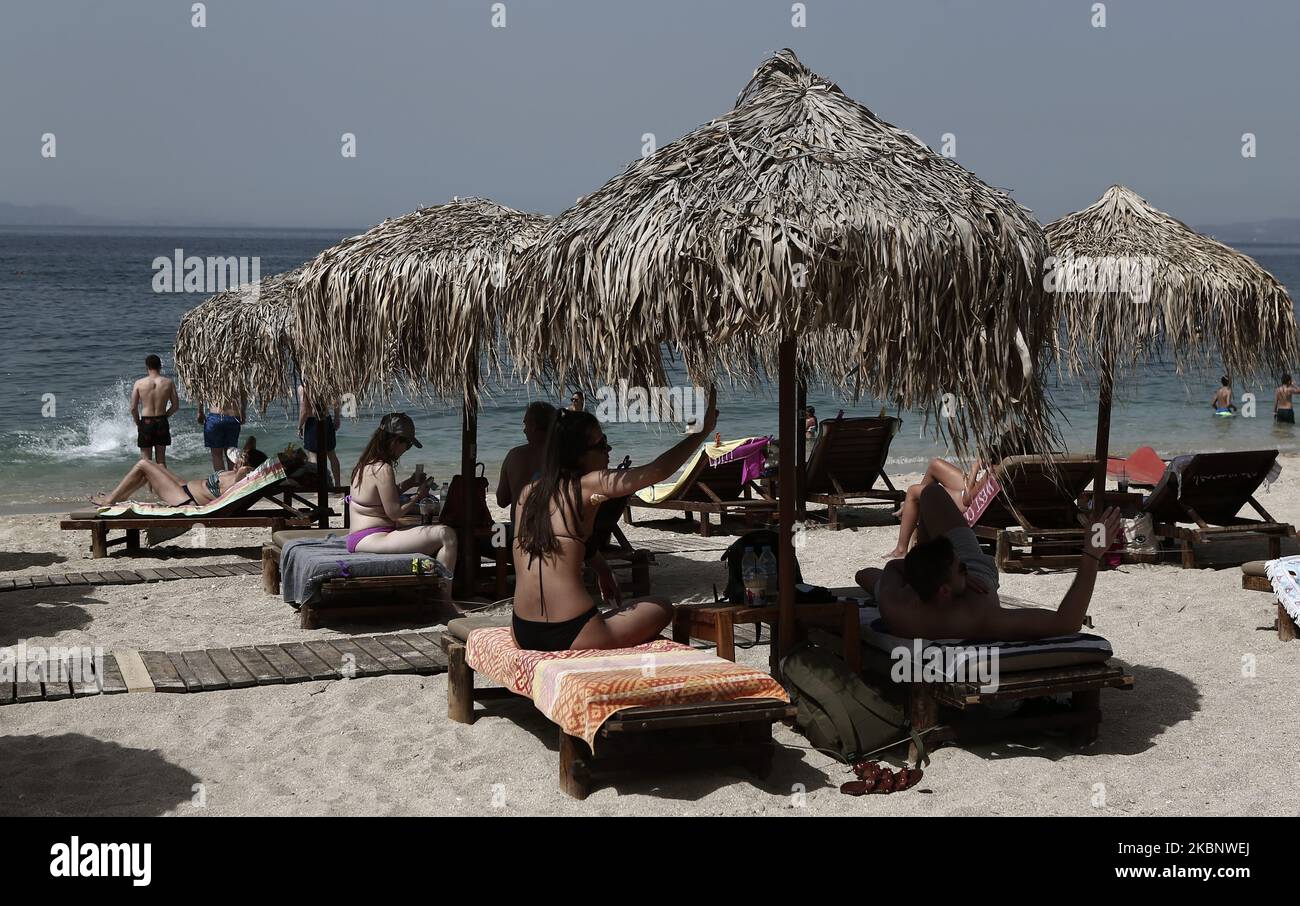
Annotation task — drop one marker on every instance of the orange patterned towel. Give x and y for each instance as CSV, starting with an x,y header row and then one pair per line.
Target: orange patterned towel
x,y
580,690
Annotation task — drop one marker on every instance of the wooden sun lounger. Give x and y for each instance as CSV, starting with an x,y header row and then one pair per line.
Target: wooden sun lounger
x,y
405,597
1082,682
99,527
713,489
1038,509
646,738
1253,578
845,462
1213,489
278,513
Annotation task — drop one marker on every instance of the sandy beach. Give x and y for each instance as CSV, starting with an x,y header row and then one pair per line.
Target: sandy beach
x,y
1196,735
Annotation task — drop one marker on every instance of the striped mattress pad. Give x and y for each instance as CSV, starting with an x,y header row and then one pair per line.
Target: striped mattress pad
x,y
1034,654
581,690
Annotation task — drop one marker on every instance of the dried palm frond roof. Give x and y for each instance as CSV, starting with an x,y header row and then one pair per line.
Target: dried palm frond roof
x,y
411,300
238,343
796,213
1189,294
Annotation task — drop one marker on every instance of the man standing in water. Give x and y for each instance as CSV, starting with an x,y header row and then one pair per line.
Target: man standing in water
x,y
153,401
318,431
1282,411
1223,398
221,426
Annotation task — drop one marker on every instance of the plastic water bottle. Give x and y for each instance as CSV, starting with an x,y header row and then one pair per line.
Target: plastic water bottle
x,y
754,579
771,575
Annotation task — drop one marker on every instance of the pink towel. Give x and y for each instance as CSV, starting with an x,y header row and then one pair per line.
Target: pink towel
x,y
752,456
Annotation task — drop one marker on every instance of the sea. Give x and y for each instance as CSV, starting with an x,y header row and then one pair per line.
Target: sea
x,y
79,312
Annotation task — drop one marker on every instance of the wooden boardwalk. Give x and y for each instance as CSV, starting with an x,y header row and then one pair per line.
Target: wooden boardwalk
x,y
133,576
211,669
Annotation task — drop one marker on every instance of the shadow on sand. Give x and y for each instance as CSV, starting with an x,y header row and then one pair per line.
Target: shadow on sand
x,y
11,561
73,774
45,612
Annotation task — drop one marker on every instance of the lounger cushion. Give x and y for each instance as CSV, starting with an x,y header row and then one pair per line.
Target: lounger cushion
x,y
461,627
1255,568
580,690
284,536
1057,651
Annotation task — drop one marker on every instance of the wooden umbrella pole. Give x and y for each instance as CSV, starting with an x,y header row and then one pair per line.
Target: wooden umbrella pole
x,y
801,490
1103,442
787,426
322,481
468,460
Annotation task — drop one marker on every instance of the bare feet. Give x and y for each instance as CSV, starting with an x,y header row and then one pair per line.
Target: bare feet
x,y
101,499
896,554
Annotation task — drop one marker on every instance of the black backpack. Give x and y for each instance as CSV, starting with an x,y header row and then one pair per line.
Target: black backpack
x,y
761,540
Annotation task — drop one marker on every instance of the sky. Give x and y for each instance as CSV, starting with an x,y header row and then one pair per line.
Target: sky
x,y
241,121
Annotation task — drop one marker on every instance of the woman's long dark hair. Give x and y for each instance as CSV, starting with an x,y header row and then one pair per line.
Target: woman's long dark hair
x,y
559,486
382,447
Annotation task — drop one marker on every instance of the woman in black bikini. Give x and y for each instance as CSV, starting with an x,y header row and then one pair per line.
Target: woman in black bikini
x,y
176,491
556,513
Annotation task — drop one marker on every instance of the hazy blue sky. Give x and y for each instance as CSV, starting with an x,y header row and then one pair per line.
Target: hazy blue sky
x,y
240,122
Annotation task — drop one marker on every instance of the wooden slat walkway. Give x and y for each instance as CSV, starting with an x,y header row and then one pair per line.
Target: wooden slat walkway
x,y
133,576
203,670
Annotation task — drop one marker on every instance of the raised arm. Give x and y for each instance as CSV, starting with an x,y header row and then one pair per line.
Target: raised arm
x,y
625,482
1016,624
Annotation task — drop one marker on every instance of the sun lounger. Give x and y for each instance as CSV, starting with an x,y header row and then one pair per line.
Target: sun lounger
x,y
1143,468
402,596
845,462
1209,490
646,707
1078,665
234,509
712,482
1037,509
1278,578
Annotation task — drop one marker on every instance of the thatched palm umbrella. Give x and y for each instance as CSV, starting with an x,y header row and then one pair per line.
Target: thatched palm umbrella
x,y
1192,295
794,214
412,301
240,344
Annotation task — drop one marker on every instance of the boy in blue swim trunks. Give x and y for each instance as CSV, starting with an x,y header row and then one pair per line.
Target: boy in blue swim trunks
x,y
221,427
1223,399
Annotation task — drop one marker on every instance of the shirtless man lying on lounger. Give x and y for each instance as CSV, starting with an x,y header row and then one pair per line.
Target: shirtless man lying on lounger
x,y
947,588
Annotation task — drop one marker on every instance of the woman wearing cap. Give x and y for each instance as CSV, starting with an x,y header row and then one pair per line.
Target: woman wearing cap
x,y
556,515
376,504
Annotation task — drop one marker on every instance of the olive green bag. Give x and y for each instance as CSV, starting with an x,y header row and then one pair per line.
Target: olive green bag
x,y
839,713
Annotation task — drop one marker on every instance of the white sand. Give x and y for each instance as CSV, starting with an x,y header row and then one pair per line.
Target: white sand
x,y
1195,736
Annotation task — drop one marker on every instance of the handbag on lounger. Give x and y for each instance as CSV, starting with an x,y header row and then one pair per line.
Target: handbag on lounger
x,y
841,714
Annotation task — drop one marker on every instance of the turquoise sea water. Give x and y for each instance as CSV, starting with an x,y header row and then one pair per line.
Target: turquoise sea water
x,y
80,314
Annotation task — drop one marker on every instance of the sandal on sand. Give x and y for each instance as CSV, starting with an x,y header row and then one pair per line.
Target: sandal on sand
x,y
872,778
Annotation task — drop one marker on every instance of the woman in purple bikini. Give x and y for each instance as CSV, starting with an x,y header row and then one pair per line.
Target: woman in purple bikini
x,y
376,499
